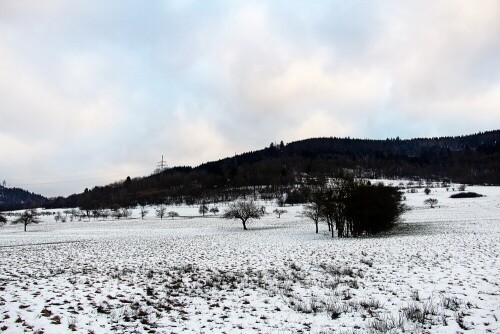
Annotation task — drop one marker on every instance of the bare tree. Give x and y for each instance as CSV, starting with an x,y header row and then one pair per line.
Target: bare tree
x,y
105,213
57,216
203,209
26,218
160,211
144,211
214,210
279,212
117,213
313,212
244,210
73,214
431,202
96,213
126,213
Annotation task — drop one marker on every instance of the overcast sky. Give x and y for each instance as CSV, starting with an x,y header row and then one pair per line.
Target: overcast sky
x,y
94,91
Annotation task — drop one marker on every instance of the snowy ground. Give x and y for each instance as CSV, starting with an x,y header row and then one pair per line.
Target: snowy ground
x,y
437,272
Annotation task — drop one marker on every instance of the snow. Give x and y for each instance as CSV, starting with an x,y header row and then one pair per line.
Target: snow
x,y
436,272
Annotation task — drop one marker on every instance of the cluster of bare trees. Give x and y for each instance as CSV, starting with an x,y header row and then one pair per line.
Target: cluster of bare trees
x,y
354,207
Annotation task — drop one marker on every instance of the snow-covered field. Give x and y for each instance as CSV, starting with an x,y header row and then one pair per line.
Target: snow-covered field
x,y
437,272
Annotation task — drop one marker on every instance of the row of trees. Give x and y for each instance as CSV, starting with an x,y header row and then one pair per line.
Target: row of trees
x,y
350,207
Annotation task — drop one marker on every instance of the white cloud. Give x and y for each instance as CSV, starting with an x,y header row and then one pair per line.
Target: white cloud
x,y
109,87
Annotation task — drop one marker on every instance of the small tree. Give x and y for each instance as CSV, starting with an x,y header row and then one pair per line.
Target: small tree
x,y
427,191
144,211
160,211
116,213
172,214
214,210
96,213
73,214
279,212
431,202
105,213
126,213
244,210
203,209
57,216
26,218
313,212
461,187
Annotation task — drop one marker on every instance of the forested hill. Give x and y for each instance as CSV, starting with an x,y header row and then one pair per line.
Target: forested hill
x,y
428,153
279,167
15,198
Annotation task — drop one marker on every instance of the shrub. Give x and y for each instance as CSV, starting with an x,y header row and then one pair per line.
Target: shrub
x,y
172,214
468,194
356,208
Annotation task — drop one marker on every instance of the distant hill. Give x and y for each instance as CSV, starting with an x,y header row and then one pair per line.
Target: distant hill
x,y
279,168
16,198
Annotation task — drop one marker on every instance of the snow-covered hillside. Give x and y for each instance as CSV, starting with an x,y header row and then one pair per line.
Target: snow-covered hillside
x,y
437,272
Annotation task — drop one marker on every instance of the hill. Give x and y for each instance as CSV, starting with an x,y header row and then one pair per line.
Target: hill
x,y
279,168
17,198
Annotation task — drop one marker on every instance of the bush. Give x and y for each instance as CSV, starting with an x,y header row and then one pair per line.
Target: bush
x,y
172,214
3,219
468,194
359,208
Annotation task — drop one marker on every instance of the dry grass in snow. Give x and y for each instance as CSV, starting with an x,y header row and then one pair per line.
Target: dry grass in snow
x,y
436,272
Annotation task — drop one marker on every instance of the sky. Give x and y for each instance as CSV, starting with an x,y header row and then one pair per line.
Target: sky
x,y
94,91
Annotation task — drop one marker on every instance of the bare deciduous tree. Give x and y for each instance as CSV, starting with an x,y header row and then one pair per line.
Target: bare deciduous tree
x,y
244,210
431,202
26,218
279,212
203,209
214,210
160,211
313,212
144,211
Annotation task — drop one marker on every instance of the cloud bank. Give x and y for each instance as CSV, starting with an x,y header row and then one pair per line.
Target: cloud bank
x,y
93,91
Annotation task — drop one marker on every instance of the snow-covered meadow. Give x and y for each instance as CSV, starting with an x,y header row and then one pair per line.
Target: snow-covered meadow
x,y
438,272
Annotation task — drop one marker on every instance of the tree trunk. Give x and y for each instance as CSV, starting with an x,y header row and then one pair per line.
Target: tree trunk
x,y
25,227
244,224
316,226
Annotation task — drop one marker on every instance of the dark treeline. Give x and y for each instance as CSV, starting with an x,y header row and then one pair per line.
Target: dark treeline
x,y
280,168
16,198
